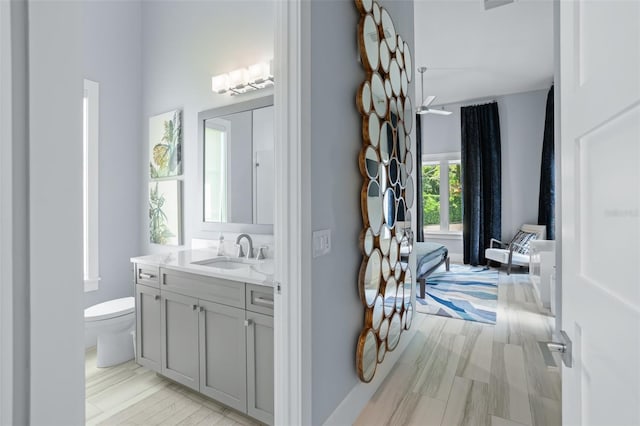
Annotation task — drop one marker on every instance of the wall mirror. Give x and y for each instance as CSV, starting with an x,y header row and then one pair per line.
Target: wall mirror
x,y
385,279
236,175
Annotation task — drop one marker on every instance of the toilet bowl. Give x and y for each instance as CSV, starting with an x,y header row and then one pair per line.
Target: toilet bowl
x,y
112,321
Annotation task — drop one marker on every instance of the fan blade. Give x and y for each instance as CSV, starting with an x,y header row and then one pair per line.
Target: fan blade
x,y
428,100
437,111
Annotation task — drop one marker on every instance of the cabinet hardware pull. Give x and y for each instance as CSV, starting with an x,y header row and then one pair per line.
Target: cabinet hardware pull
x,y
248,322
157,297
145,276
194,307
201,308
263,300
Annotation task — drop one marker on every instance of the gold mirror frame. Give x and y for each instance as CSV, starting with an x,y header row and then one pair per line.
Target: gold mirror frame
x,y
396,313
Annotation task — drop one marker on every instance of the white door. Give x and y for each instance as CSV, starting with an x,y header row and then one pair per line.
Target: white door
x,y
600,178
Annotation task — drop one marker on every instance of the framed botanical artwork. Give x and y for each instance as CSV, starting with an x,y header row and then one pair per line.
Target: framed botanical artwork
x,y
165,212
165,145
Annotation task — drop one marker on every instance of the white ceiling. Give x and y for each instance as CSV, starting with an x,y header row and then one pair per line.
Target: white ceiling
x,y
475,54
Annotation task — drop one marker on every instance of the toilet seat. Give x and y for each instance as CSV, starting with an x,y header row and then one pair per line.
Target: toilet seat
x,y
110,309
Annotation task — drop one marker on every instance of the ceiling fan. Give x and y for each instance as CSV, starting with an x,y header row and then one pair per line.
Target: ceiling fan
x,y
424,107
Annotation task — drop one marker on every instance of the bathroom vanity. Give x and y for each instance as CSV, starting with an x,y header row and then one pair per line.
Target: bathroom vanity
x,y
206,321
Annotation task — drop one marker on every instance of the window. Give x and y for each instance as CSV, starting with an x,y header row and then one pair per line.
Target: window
x,y
442,193
90,184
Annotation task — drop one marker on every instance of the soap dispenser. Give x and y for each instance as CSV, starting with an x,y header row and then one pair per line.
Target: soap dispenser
x,y
220,245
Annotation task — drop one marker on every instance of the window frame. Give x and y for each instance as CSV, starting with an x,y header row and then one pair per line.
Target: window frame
x,y
443,160
90,194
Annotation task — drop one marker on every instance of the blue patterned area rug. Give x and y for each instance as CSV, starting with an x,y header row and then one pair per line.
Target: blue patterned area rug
x,y
466,292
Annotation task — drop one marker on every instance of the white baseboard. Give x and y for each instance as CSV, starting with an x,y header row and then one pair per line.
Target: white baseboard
x,y
349,409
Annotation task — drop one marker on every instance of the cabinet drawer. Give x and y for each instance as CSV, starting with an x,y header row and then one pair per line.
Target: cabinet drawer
x,y
230,293
260,299
147,275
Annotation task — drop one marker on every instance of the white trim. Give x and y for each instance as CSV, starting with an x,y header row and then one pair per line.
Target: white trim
x,y
91,130
292,220
443,156
6,234
443,235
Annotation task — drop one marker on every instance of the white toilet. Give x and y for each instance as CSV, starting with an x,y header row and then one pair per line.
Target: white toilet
x,y
112,321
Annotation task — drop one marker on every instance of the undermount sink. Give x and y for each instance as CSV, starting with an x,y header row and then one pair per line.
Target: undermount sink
x,y
224,263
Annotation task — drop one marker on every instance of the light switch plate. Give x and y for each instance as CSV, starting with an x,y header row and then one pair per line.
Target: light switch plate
x,y
321,242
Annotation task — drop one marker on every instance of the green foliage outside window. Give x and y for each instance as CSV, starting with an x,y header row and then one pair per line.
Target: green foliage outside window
x,y
455,194
431,194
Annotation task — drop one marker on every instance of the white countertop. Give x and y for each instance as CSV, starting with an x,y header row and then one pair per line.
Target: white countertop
x,y
258,271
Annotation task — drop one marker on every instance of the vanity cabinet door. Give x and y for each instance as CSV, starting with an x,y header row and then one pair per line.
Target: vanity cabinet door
x,y
180,339
260,367
148,327
223,354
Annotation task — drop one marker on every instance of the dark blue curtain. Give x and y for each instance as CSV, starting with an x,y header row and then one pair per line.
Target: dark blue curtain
x,y
547,199
419,198
481,180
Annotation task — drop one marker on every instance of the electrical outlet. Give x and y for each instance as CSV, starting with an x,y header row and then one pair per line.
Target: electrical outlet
x,y
321,242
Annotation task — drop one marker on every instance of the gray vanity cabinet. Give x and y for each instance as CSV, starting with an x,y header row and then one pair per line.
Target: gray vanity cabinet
x,y
148,326
260,366
179,339
223,351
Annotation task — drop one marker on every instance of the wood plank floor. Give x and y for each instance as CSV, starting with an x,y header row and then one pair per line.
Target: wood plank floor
x,y
129,394
457,372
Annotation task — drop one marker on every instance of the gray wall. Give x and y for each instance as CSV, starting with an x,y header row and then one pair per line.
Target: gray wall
x,y
111,56
184,44
337,312
521,131
55,213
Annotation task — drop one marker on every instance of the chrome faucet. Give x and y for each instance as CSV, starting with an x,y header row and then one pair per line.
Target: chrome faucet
x,y
249,249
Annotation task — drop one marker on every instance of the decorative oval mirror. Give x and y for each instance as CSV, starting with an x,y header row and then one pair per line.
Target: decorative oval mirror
x,y
401,147
370,278
397,273
384,329
407,287
408,163
366,241
394,77
397,189
376,13
384,182
399,58
387,88
399,296
386,268
408,62
409,192
394,115
394,171
404,82
385,56
377,313
401,220
389,206
384,240
367,357
395,328
363,100
372,129
408,143
400,44
369,42
373,206
382,350
386,142
390,296
393,252
388,29
408,116
403,174
378,95
408,314
369,163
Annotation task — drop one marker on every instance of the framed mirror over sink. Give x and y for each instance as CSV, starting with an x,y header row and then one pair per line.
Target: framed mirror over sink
x,y
236,176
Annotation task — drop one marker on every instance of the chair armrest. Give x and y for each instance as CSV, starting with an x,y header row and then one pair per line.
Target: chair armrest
x,y
493,240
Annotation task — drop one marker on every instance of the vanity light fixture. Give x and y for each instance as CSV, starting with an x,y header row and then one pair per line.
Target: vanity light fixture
x,y
243,80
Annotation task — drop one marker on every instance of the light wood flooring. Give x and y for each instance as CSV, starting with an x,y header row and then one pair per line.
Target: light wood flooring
x,y
129,394
457,372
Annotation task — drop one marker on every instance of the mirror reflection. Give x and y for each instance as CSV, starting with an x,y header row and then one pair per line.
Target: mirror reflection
x,y
237,163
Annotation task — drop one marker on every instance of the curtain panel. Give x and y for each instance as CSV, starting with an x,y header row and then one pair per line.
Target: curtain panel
x,y
547,198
